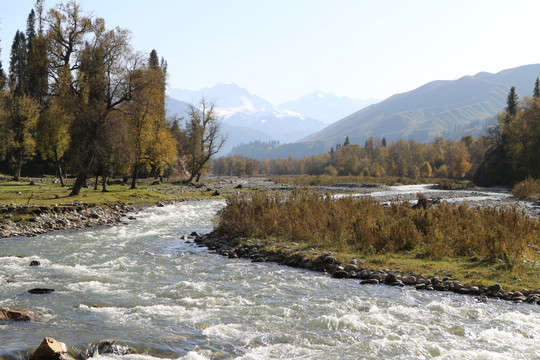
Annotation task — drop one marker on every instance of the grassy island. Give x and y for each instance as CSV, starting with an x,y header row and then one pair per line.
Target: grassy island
x,y
480,246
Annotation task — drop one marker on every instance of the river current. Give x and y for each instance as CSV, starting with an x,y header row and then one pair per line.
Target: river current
x,y
144,286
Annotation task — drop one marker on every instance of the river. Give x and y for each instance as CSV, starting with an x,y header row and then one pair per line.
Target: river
x,y
144,286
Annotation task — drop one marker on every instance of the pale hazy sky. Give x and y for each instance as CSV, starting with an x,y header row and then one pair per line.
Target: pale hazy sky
x,y
283,49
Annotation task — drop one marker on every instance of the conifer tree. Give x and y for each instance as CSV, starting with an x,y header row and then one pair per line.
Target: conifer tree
x,y
347,142
511,104
37,62
536,91
18,65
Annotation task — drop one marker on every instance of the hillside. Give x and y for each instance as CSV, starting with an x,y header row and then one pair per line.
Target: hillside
x,y
326,107
434,108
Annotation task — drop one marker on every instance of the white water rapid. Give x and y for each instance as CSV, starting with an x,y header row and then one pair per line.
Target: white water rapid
x,y
143,286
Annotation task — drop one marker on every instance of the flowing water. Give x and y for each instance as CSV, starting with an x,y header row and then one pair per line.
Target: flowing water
x,y
144,286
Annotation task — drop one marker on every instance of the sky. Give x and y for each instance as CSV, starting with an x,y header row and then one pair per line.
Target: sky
x,y
283,49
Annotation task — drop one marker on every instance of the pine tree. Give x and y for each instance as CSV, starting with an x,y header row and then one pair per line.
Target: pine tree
x,y
511,104
536,91
18,65
37,62
153,61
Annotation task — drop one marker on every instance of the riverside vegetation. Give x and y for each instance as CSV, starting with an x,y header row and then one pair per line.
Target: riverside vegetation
x,y
479,246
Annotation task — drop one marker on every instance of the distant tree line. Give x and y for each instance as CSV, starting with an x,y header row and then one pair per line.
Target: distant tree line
x,y
376,158
78,96
508,153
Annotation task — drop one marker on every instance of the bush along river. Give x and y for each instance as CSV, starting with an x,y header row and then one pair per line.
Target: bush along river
x,y
148,285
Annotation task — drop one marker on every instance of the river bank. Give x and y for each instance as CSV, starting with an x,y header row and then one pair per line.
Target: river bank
x,y
327,263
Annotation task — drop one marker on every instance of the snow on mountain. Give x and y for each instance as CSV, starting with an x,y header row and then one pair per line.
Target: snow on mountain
x,y
239,108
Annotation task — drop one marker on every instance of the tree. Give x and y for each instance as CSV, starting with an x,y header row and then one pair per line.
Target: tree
x,y
425,169
53,135
37,61
346,142
457,159
204,139
512,102
18,65
536,91
104,83
17,121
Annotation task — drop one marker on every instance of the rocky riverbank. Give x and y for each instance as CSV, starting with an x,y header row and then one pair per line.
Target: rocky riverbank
x,y
43,219
329,264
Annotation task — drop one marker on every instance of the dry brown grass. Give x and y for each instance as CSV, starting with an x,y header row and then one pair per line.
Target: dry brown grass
x,y
363,225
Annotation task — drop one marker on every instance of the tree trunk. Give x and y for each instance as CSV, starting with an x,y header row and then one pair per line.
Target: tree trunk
x,y
104,181
18,167
80,181
59,165
135,176
96,182
198,177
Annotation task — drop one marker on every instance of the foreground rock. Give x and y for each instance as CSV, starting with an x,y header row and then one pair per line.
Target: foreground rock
x,y
329,264
50,349
7,314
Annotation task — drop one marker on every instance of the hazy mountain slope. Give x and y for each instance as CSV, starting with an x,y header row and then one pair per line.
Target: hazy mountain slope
x,y
326,107
176,108
430,110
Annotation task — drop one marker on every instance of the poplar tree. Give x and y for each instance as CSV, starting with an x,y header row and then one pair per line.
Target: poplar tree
x,y
204,140
536,91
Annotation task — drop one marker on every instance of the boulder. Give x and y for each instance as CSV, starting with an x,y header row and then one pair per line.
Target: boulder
x,y
50,349
369,282
390,278
17,315
351,268
341,274
494,289
108,347
40,291
35,263
409,280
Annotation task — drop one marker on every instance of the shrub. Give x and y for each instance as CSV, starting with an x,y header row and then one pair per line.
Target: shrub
x,y
527,189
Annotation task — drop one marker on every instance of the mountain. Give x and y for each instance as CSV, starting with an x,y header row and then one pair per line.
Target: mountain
x,y
433,109
235,135
247,117
326,107
176,108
